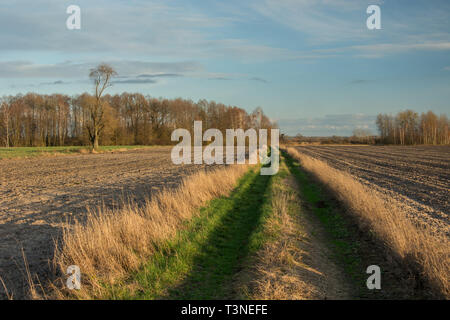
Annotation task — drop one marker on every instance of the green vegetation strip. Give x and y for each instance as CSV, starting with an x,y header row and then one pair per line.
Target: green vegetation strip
x,y
28,152
201,261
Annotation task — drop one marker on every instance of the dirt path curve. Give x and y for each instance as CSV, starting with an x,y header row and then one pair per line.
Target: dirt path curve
x,y
37,196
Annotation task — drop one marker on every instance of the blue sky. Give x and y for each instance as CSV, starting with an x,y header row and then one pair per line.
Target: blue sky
x,y
311,65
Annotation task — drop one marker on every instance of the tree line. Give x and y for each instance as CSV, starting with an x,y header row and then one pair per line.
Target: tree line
x,y
35,120
408,127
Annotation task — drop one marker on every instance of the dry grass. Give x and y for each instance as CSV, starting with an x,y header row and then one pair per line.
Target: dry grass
x,y
276,276
426,254
296,266
8,295
111,244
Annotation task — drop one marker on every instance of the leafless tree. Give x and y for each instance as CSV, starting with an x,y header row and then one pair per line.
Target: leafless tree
x,y
101,76
407,127
362,135
5,112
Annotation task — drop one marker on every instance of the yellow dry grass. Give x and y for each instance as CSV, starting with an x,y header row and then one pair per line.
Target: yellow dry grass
x,y
111,244
8,295
427,254
276,270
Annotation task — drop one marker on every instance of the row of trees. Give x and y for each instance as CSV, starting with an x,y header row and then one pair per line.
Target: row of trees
x,y
408,127
361,135
126,119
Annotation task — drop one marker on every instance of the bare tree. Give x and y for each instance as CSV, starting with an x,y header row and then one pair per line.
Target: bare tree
x,y
101,76
362,135
412,129
5,111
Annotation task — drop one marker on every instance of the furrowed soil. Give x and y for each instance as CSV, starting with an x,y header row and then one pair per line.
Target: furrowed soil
x,y
38,196
417,177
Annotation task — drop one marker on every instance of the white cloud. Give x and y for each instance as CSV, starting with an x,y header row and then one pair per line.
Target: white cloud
x,y
380,50
328,125
322,20
136,28
68,69
389,48
326,23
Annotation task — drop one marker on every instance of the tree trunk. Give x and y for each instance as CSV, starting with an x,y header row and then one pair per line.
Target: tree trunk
x,y
7,136
96,142
7,129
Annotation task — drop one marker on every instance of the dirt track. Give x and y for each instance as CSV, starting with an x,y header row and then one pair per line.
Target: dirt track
x,y
418,177
37,196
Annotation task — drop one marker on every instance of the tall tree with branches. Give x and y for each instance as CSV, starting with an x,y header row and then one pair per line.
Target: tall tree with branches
x,y
5,113
101,76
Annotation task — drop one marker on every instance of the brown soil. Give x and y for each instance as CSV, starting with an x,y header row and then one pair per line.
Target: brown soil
x,y
38,196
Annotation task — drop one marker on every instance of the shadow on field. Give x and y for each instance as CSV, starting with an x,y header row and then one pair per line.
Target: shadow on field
x,y
224,249
13,269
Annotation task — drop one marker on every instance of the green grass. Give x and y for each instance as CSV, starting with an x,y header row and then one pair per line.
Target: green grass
x,y
203,258
29,152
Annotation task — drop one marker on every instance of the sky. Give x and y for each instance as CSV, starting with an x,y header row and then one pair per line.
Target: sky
x,y
313,66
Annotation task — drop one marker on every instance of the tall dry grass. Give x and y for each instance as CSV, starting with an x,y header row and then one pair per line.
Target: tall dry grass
x,y
113,243
276,270
426,254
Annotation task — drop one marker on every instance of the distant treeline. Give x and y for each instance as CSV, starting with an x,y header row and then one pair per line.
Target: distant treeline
x,y
405,128
408,127
299,139
127,119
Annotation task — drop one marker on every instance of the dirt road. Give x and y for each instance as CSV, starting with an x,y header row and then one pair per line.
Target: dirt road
x,y
417,176
37,196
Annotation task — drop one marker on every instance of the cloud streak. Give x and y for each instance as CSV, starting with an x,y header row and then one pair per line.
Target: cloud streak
x,y
328,125
258,80
135,81
157,28
322,21
330,23
125,68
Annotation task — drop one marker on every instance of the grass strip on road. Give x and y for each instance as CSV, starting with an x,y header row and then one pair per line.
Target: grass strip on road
x,y
31,152
294,262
